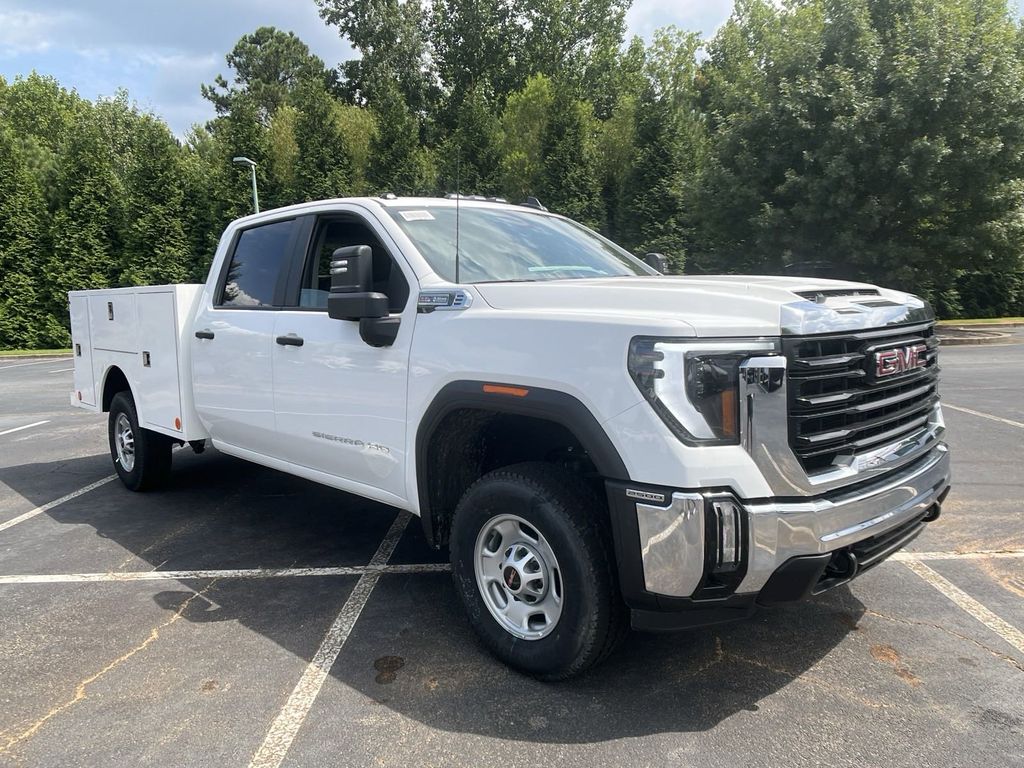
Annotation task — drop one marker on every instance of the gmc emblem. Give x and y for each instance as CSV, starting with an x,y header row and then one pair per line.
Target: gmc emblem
x,y
890,362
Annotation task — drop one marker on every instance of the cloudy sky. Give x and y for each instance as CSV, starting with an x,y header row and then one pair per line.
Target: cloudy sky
x,y
161,52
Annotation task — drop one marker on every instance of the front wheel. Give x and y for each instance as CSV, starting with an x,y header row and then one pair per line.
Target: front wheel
x,y
531,556
141,457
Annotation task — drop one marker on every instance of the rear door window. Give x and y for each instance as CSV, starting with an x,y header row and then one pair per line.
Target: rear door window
x,y
258,263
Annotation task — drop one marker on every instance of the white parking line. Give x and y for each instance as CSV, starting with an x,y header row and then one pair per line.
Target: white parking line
x,y
1000,626
46,507
360,570
238,573
284,728
27,426
1000,419
62,370
22,365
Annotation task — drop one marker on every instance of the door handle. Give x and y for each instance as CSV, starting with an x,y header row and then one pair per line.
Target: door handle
x,y
204,334
291,340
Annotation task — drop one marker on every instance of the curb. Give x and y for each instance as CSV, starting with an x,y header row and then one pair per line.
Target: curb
x,y
979,326
954,341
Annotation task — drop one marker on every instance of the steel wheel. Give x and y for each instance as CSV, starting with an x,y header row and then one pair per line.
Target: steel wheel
x,y
124,442
518,577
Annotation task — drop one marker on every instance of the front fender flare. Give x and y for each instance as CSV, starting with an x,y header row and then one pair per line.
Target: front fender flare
x,y
552,405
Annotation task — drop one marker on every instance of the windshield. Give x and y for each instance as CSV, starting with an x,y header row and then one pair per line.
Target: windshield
x,y
499,245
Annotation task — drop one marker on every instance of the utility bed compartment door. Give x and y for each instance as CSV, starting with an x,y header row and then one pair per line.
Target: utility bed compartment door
x,y
81,350
113,322
158,388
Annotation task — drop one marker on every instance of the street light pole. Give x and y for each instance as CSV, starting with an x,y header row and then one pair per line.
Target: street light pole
x,y
252,170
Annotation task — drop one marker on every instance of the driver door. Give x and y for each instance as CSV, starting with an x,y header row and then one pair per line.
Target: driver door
x,y
340,404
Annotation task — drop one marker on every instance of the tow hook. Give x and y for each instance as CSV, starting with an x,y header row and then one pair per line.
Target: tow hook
x,y
842,566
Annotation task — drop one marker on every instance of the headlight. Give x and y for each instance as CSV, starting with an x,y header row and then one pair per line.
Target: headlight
x,y
694,386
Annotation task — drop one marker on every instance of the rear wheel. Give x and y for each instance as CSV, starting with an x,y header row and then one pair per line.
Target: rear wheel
x,y
141,457
531,556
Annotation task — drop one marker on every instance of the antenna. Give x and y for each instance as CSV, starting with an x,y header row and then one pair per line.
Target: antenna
x,y
458,195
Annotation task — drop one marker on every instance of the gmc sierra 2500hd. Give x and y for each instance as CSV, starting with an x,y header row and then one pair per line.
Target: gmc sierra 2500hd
x,y
598,444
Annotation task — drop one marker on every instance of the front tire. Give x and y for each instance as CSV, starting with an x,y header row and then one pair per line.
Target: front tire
x,y
141,457
531,557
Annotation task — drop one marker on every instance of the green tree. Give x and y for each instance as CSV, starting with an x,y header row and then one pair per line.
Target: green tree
x,y
390,36
570,179
323,166
397,162
523,127
156,248
269,66
469,156
27,319
654,188
884,137
87,229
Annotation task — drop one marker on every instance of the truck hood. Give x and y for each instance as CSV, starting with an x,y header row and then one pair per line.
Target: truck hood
x,y
725,305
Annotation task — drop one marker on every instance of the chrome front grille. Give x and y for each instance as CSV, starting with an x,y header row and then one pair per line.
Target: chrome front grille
x,y
838,407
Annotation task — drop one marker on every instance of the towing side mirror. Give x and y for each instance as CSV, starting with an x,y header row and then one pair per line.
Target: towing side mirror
x,y
657,261
351,277
351,298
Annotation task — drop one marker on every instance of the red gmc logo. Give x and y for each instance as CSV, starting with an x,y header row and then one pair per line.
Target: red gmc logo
x,y
890,362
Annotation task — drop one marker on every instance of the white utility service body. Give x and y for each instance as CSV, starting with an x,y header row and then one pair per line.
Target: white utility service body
x,y
811,438
145,333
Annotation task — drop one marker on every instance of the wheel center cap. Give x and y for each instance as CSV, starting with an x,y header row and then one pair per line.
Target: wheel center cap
x,y
512,578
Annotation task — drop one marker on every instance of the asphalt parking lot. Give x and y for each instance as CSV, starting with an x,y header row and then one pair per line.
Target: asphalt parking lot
x,y
246,618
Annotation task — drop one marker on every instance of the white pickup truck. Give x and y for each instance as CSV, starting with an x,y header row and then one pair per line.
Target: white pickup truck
x,y
598,444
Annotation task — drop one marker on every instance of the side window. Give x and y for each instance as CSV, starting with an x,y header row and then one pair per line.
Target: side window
x,y
334,233
260,255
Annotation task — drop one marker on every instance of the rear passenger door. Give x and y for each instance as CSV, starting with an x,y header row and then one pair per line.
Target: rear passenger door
x,y
340,402
232,361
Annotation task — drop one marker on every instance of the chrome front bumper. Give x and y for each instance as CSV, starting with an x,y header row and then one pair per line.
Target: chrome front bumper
x,y
781,530
675,550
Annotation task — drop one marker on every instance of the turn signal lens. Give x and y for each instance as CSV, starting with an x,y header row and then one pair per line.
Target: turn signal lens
x,y
712,385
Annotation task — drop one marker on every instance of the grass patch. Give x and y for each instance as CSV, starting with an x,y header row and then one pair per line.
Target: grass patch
x,y
983,321
32,352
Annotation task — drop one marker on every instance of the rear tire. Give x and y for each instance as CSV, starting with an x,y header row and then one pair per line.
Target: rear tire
x,y
141,457
531,555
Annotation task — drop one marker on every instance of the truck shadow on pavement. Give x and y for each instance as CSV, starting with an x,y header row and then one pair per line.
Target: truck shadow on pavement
x,y
412,653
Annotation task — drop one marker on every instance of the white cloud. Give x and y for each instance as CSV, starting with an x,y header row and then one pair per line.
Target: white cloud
x,y
159,53
27,31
